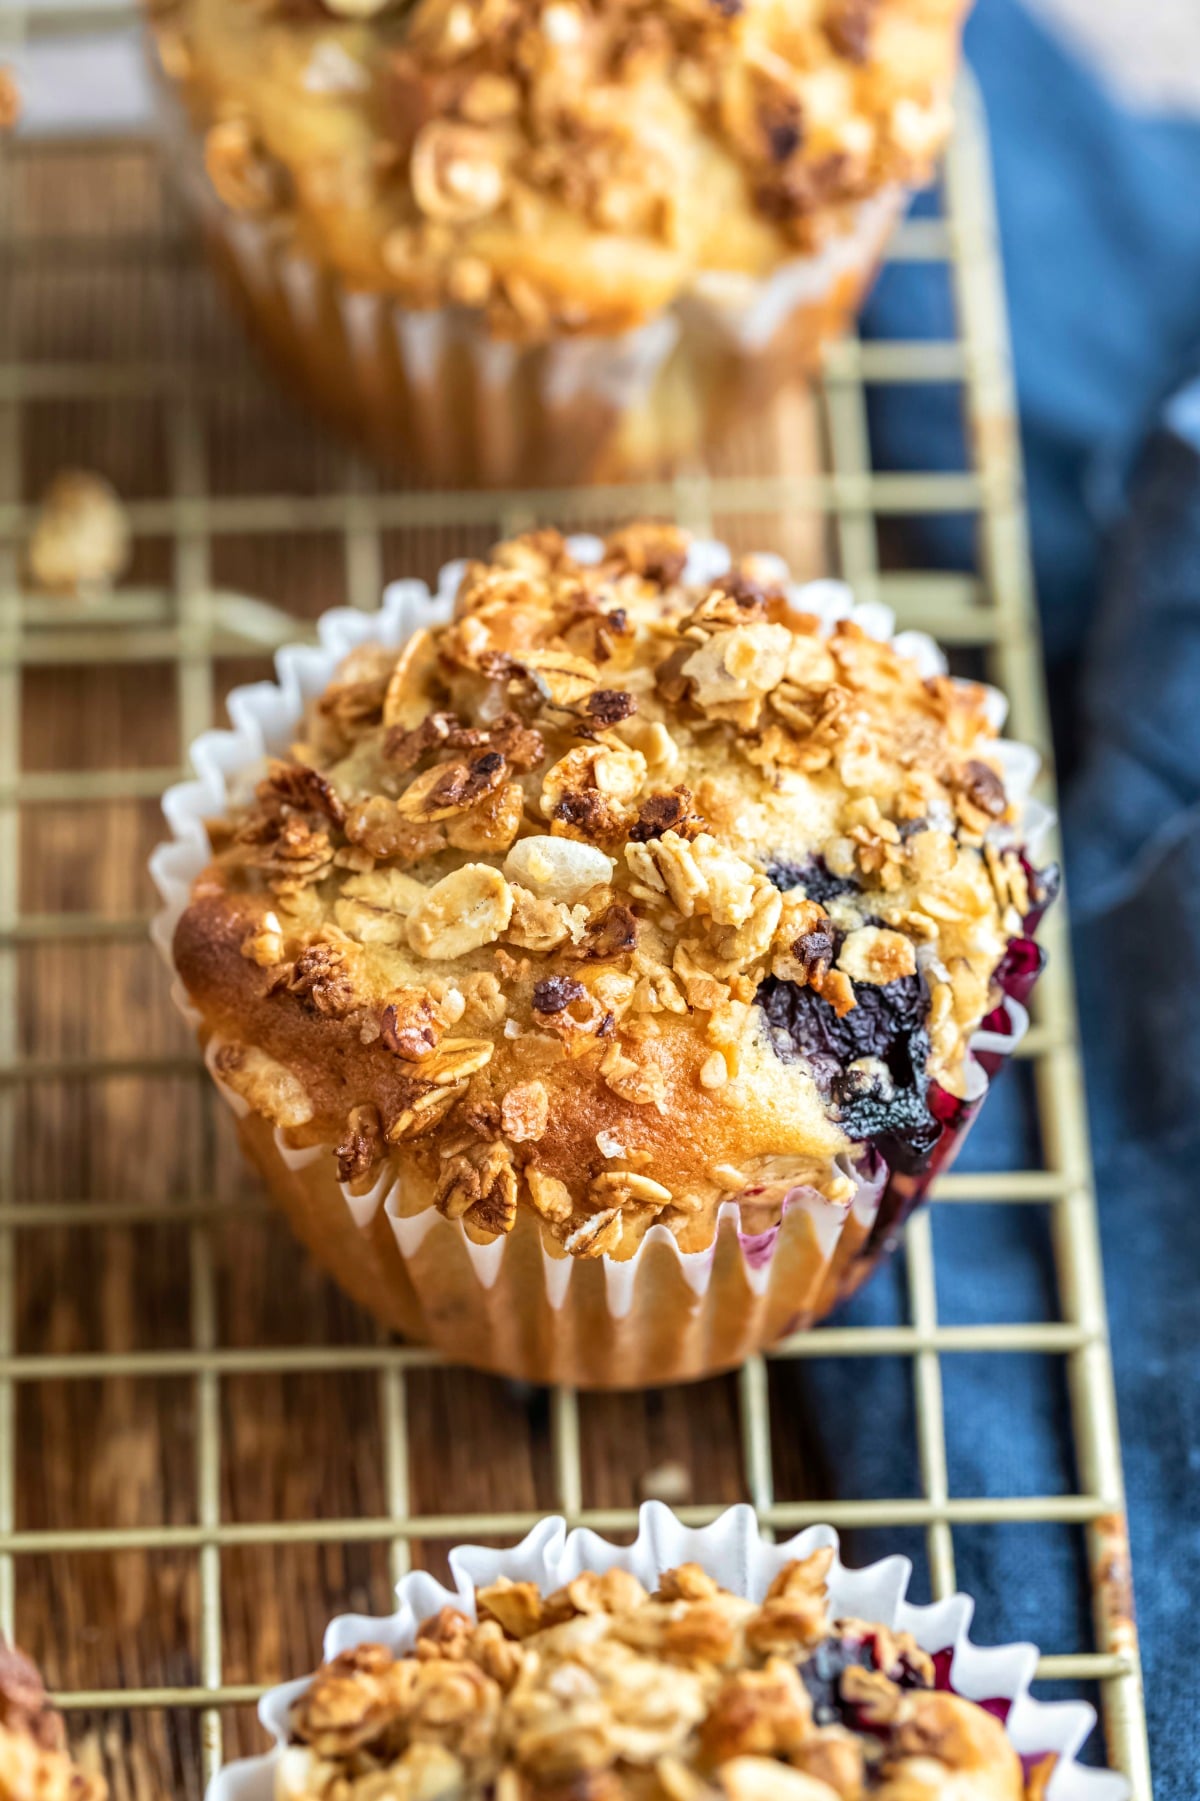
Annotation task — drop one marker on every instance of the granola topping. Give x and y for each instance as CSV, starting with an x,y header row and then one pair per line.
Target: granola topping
x,y
689,1693
560,166
614,941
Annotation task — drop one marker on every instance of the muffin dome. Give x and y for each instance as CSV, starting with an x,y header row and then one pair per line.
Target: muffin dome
x,y
614,898
564,166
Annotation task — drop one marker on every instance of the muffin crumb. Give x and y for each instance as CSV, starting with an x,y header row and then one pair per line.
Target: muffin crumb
x,y
81,537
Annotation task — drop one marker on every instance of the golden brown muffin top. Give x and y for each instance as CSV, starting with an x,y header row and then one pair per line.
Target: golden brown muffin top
x,y
602,1691
531,910
564,164
34,1762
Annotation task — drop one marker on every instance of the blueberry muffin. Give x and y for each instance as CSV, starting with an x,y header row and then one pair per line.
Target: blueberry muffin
x,y
34,1762
603,1690
501,238
596,974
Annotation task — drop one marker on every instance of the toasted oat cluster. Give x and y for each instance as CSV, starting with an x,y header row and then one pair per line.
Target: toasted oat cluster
x,y
612,899
34,1763
602,1691
565,164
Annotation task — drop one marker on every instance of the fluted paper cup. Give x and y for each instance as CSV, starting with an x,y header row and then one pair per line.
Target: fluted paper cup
x,y
733,1551
434,392
520,1305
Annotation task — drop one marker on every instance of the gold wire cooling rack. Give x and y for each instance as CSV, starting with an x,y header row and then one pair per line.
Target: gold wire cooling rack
x,y
203,1451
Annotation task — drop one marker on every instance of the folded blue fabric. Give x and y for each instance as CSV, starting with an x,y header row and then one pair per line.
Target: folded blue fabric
x,y
1101,238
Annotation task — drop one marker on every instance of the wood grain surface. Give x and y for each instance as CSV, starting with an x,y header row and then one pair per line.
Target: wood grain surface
x,y
92,274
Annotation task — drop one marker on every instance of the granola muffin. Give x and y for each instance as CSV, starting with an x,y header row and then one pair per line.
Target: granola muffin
x,y
34,1762
596,972
689,1693
517,240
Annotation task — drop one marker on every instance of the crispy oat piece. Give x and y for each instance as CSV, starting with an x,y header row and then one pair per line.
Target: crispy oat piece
x,y
464,910
515,1606
876,955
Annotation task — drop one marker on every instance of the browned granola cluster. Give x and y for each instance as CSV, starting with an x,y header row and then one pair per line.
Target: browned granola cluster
x,y
564,164
602,1691
34,1763
507,917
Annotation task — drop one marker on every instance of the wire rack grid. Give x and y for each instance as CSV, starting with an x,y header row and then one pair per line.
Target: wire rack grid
x,y
186,622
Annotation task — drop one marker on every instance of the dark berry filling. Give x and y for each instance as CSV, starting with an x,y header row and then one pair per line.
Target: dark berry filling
x,y
869,1065
1016,973
822,1673
814,876
823,1670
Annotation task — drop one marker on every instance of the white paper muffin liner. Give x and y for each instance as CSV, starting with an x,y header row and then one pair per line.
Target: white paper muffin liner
x,y
733,1551
519,1304
434,390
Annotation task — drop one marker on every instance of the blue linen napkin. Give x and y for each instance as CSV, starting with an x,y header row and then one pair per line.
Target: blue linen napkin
x,y
1100,224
